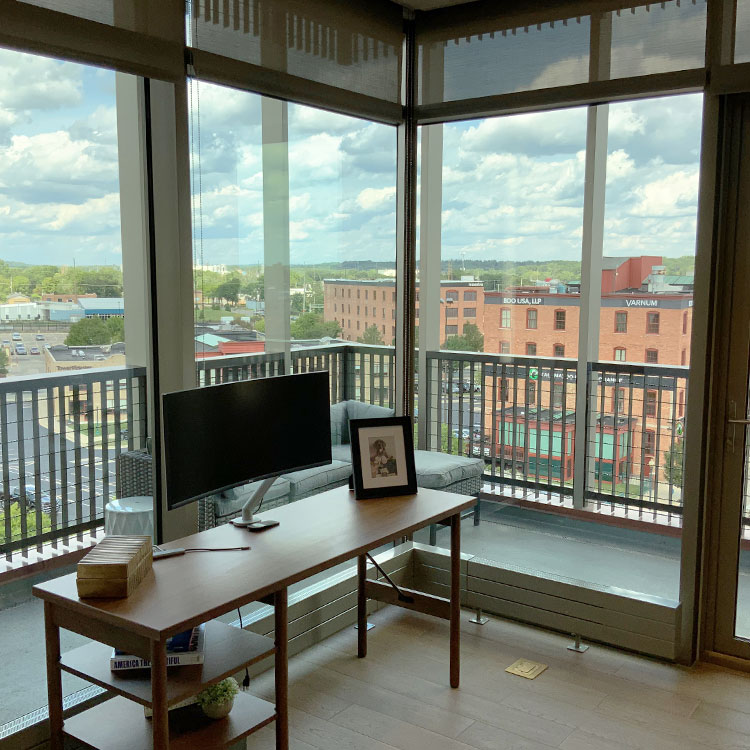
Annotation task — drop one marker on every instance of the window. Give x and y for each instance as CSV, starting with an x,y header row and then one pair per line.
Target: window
x,y
557,395
334,307
531,392
652,323
416,313
619,401
652,356
358,293
531,318
451,330
470,296
383,330
531,349
383,312
559,320
505,390
383,296
358,306
470,312
451,296
683,357
559,350
451,312
357,325
621,322
366,292
504,347
650,403
684,322
505,318
349,293
681,404
619,354
649,442
366,309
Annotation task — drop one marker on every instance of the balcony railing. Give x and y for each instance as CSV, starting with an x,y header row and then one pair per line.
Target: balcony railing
x,y
60,434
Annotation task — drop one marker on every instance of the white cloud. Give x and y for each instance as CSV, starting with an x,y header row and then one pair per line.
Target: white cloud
x,y
372,199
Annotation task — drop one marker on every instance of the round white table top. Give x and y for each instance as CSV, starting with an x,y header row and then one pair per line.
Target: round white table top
x,y
136,504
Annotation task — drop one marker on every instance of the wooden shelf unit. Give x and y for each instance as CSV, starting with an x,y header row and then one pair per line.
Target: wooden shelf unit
x,y
119,724
227,650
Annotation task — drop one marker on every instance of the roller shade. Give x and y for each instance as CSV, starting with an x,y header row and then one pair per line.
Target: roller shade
x,y
347,44
134,36
534,47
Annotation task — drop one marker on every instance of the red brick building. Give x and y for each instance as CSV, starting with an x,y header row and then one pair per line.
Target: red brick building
x,y
358,304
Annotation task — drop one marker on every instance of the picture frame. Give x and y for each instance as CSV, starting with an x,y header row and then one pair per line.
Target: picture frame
x,y
383,457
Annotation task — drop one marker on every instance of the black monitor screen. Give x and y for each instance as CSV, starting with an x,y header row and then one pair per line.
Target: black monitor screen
x,y
222,436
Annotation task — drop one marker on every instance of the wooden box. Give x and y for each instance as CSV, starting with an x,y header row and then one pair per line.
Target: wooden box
x,y
114,567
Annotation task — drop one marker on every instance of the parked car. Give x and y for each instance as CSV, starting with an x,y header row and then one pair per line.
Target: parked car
x,y
29,497
34,350
6,342
39,337
16,336
20,349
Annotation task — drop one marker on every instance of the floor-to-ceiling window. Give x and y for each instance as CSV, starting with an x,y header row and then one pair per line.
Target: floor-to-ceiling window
x,y
73,388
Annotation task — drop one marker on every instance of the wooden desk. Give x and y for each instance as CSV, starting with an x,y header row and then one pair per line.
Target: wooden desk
x,y
315,534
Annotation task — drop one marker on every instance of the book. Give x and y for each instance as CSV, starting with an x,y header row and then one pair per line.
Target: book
x,y
182,649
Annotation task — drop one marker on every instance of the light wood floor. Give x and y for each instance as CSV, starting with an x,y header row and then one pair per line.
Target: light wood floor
x,y
398,697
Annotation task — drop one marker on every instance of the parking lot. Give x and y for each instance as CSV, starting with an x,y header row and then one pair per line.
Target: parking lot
x,y
29,364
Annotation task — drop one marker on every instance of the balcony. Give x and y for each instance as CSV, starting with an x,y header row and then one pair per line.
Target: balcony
x,y
60,435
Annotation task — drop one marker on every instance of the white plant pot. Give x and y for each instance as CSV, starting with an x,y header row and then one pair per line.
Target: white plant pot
x,y
218,710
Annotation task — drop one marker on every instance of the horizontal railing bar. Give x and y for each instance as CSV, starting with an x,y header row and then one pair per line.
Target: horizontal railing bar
x,y
20,384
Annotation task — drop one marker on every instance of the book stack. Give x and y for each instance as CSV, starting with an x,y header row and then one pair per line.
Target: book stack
x,y
183,648
114,567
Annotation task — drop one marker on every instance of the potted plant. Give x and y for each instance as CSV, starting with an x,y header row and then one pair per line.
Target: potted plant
x,y
217,700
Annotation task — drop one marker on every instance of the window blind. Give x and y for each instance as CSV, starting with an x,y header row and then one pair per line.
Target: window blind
x,y
348,44
134,36
544,45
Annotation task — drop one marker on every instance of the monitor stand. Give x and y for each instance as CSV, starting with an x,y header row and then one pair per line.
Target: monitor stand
x,y
253,505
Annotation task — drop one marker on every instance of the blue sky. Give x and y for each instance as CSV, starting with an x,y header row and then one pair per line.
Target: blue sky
x,y
512,187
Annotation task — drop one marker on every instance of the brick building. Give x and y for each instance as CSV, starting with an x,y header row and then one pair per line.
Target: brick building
x,y
642,327
357,304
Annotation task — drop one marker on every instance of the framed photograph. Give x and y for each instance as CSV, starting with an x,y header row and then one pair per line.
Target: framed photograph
x,y
383,457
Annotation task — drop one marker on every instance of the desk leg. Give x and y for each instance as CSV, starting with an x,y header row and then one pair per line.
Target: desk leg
x,y
361,607
160,720
455,628
282,669
54,679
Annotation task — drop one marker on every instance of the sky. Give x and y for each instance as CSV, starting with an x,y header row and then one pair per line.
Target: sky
x,y
512,186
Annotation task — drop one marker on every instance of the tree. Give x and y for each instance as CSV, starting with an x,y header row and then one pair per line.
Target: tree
x,y
673,463
228,290
116,328
371,336
472,340
297,304
312,326
87,332
4,363
15,512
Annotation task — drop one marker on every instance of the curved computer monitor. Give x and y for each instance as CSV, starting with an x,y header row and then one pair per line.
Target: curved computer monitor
x,y
223,436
